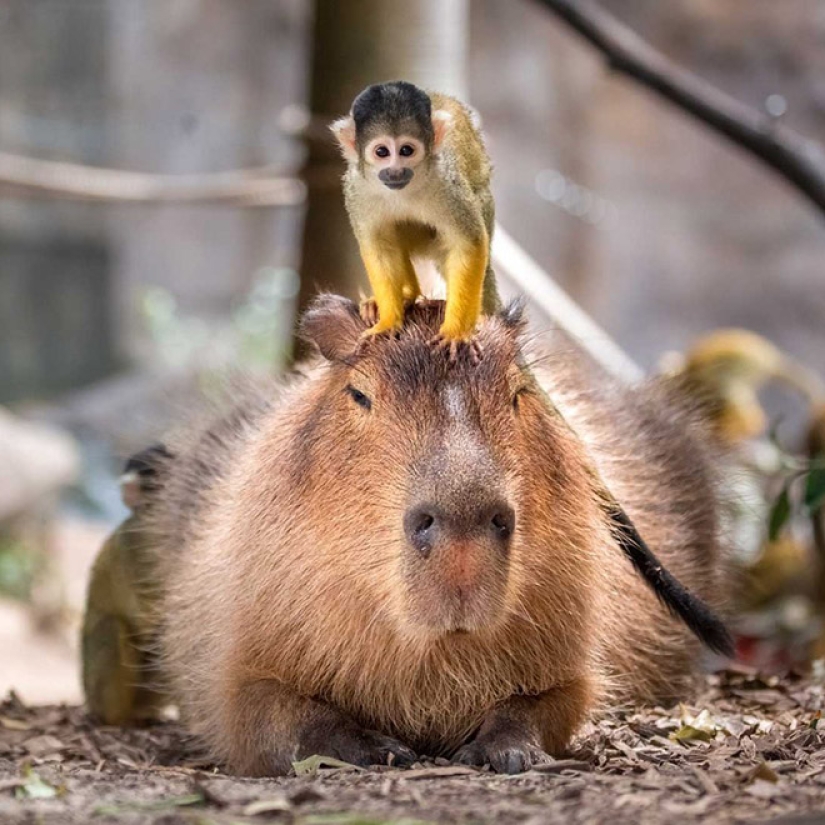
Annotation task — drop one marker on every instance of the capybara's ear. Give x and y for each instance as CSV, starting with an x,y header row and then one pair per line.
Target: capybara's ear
x,y
334,325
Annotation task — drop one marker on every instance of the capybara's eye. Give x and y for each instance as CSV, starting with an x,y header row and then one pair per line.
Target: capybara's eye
x,y
359,398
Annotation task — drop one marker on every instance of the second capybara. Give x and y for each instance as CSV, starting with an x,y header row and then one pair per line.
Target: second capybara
x,y
396,554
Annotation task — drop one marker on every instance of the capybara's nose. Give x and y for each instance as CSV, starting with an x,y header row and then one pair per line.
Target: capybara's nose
x,y
429,525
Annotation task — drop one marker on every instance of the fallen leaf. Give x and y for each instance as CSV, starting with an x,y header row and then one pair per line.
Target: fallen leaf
x,y
267,806
33,787
310,765
153,805
434,773
765,772
14,724
763,789
689,733
43,744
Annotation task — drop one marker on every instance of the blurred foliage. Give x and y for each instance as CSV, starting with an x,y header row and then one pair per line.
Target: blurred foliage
x,y
257,338
802,492
18,568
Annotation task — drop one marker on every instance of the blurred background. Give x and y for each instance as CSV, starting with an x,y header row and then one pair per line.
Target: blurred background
x,y
123,294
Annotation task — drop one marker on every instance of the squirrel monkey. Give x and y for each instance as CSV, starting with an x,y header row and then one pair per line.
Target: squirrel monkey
x,y
724,370
417,185
119,621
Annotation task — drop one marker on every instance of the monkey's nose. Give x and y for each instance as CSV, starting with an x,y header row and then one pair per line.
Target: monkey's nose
x,y
395,178
428,526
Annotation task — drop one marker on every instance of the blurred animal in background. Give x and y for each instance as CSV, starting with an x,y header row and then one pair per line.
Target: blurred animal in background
x,y
417,186
119,673
399,554
722,374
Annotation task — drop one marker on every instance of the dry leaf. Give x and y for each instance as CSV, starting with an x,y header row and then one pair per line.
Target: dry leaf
x,y
267,806
310,765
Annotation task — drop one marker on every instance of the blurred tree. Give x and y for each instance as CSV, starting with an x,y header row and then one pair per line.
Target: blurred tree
x,y
355,44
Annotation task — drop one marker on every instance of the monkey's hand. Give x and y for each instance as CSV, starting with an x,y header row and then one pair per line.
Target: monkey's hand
x,y
457,347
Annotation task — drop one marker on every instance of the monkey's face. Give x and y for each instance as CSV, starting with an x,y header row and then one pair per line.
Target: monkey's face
x,y
433,467
390,133
393,159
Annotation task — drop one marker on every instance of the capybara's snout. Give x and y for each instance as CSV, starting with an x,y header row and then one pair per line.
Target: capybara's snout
x,y
430,527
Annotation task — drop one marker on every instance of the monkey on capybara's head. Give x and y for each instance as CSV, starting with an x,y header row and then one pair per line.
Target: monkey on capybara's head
x,y
397,554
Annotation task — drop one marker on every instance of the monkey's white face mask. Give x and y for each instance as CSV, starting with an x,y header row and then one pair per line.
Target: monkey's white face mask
x,y
391,159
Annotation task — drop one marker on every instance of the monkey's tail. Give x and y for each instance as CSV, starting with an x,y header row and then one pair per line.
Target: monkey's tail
x,y
701,620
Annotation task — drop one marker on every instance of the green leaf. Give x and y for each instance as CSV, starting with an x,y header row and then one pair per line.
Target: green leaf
x,y
780,513
35,788
815,489
688,733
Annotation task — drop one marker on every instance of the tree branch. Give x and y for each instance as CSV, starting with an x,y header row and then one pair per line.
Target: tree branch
x,y
796,158
24,176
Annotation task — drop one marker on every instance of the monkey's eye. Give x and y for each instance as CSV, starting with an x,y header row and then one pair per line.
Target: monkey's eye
x,y
382,151
406,150
358,397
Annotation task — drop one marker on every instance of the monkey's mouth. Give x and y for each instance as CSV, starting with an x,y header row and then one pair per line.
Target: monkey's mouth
x,y
395,178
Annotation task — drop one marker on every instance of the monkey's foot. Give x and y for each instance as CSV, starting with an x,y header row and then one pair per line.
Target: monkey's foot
x,y
457,346
350,743
368,310
504,751
379,330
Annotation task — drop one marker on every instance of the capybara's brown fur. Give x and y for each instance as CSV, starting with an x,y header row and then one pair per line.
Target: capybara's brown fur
x,y
398,555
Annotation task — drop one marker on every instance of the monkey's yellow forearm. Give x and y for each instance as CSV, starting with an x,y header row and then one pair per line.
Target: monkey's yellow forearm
x,y
393,282
464,272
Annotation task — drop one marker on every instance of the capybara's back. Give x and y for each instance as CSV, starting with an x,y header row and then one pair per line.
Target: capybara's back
x,y
399,554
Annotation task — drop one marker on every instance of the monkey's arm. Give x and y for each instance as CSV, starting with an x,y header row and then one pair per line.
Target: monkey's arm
x,y
392,279
465,269
271,726
521,731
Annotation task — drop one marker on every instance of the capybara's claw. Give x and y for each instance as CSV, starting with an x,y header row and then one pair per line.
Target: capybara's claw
x,y
504,754
455,346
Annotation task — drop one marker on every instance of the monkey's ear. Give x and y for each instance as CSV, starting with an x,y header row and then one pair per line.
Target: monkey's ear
x,y
344,131
334,325
442,121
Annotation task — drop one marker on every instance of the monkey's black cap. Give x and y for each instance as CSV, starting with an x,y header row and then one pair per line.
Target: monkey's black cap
x,y
397,106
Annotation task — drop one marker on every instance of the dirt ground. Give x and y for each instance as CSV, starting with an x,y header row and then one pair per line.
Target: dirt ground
x,y
747,749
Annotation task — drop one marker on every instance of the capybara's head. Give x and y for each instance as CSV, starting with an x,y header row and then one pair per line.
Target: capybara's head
x,y
448,477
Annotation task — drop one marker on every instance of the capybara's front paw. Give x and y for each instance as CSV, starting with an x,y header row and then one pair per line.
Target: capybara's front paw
x,y
358,746
503,751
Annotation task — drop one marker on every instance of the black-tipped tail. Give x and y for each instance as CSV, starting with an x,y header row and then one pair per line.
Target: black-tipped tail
x,y
702,621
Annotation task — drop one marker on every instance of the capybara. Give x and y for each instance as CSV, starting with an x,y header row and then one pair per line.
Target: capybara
x,y
397,554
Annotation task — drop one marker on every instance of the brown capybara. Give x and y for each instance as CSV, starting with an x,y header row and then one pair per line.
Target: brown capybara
x,y
398,555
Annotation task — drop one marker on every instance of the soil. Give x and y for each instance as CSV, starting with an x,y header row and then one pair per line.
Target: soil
x,y
748,749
